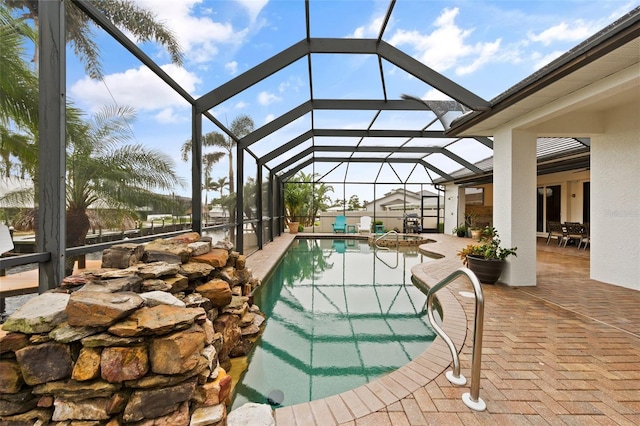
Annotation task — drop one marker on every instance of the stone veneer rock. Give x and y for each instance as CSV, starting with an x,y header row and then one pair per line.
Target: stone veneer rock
x,y
145,340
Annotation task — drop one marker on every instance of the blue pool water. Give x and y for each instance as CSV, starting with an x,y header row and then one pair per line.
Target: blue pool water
x,y
339,314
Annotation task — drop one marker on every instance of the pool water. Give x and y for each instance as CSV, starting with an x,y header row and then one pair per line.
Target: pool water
x,y
339,314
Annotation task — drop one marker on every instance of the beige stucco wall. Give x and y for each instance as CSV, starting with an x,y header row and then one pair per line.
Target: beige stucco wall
x,y
615,199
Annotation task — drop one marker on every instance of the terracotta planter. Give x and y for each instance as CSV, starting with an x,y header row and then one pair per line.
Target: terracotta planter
x,y
293,227
488,271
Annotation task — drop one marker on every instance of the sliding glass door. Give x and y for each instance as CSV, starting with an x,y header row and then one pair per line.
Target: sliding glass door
x,y
548,206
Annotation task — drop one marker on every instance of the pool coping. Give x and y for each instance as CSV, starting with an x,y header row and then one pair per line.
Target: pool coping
x,y
392,387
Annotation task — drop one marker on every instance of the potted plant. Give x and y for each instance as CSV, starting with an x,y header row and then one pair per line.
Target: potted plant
x,y
474,230
294,202
461,230
486,259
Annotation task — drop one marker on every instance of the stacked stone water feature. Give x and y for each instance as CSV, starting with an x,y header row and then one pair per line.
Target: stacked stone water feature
x,y
144,340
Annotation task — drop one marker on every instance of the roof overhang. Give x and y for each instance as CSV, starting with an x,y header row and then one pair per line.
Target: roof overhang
x,y
565,97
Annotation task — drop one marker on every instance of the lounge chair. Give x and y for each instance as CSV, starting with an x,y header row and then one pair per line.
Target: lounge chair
x,y
574,232
586,236
364,225
557,230
340,225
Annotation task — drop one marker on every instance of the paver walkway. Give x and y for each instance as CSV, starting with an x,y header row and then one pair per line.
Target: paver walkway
x,y
566,351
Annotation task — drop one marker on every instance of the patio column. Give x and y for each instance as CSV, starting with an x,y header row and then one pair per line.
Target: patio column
x,y
514,202
454,204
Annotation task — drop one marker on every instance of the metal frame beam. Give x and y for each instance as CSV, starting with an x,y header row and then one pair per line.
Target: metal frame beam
x,y
275,125
51,144
433,134
340,46
286,147
304,164
432,77
252,76
327,104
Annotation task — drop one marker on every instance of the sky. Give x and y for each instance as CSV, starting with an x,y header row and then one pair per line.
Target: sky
x,y
484,46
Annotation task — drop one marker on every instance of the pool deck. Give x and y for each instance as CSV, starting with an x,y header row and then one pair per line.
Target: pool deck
x,y
565,352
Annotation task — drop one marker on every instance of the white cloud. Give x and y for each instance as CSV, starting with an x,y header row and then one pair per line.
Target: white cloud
x,y
269,118
293,83
241,105
266,98
541,61
577,31
253,7
487,52
200,37
232,67
139,88
168,115
446,47
371,30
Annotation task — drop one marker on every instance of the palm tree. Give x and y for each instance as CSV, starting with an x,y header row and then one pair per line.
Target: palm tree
x,y
240,127
19,146
303,198
18,95
208,160
18,82
220,184
125,14
104,170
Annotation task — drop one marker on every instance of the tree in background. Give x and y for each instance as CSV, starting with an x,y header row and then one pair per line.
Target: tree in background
x,y
125,14
105,171
219,185
354,203
18,81
18,97
240,127
103,168
303,198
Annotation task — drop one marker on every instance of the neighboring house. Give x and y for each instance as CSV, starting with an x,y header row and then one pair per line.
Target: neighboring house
x,y
400,199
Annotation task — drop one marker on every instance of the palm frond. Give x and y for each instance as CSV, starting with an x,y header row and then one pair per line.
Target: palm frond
x,y
150,168
142,24
18,82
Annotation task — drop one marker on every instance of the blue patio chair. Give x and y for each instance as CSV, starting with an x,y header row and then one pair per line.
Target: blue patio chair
x,y
340,246
340,225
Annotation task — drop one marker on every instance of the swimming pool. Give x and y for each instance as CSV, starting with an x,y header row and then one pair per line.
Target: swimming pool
x,y
339,314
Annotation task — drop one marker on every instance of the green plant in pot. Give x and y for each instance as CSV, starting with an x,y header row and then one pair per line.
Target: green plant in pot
x,y
295,197
487,258
461,230
473,230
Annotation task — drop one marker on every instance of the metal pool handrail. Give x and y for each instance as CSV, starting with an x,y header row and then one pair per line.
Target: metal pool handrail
x,y
471,399
384,235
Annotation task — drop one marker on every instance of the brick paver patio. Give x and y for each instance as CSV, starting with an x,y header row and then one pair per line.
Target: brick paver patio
x,y
566,351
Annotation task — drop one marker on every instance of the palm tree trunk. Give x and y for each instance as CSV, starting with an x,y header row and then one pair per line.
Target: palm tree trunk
x,y
77,228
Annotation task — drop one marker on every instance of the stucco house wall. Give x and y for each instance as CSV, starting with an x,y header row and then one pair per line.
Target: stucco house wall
x,y
615,195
